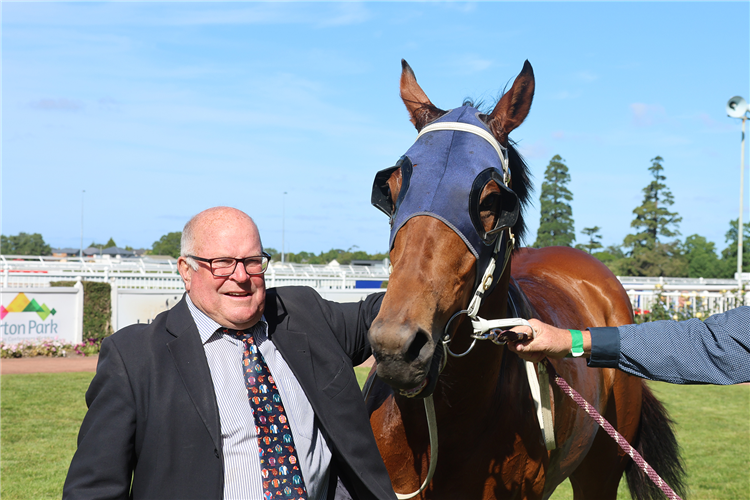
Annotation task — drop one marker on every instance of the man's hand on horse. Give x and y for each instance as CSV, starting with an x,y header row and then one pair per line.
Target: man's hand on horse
x,y
546,341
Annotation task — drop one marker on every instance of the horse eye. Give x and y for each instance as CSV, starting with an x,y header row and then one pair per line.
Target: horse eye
x,y
394,188
489,206
488,212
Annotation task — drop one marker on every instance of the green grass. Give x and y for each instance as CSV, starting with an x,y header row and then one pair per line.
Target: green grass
x,y
41,414
713,429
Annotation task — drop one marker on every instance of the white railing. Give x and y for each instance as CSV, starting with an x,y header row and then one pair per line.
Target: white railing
x,y
690,296
682,294
148,273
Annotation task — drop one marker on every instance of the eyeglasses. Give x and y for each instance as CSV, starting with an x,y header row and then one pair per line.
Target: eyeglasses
x,y
225,266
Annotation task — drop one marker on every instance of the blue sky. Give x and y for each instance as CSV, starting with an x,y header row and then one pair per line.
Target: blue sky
x,y
159,110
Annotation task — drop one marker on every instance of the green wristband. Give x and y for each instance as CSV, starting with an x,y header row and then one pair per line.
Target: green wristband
x,y
577,341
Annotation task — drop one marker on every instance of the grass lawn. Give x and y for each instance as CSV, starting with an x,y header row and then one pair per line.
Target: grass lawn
x,y
39,419
713,429
41,414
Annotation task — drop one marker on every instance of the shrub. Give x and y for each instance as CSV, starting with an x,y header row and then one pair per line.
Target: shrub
x,y
97,308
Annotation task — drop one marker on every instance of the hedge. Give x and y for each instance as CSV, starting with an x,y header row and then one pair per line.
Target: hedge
x,y
97,308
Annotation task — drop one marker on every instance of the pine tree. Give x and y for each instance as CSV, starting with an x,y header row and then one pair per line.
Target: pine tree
x,y
653,218
594,237
556,217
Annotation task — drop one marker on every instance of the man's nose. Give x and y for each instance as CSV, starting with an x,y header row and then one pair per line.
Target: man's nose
x,y
240,273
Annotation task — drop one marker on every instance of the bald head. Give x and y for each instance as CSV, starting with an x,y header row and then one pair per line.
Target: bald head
x,y
205,226
233,301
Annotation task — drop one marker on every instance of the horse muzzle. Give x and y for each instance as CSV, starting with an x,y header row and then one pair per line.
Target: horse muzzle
x,y
407,358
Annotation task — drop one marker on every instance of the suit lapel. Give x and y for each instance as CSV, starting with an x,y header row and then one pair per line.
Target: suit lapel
x,y
190,360
293,345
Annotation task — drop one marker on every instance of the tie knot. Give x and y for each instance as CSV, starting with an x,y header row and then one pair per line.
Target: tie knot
x,y
240,334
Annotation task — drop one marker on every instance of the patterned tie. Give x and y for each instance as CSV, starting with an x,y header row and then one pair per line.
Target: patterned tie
x,y
282,477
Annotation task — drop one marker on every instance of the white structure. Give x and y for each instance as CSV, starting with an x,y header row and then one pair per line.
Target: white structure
x,y
144,287
147,273
30,314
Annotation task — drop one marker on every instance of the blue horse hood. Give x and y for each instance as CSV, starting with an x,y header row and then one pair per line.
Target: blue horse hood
x,y
444,165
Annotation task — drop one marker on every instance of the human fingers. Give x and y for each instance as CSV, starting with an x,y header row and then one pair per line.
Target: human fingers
x,y
549,341
526,351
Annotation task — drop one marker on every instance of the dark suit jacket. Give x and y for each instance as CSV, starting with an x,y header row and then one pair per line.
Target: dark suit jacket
x,y
153,417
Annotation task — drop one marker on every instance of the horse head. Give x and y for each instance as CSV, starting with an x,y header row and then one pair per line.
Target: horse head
x,y
454,202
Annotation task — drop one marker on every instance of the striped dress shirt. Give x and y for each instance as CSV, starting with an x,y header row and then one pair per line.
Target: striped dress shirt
x,y
242,477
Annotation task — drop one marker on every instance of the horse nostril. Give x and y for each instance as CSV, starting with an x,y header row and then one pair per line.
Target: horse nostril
x,y
421,338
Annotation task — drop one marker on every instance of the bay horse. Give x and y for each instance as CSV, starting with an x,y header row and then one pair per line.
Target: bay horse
x,y
453,198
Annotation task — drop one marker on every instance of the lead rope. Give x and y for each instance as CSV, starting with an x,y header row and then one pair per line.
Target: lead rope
x,y
621,441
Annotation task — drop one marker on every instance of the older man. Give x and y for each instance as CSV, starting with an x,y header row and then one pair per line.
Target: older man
x,y
237,392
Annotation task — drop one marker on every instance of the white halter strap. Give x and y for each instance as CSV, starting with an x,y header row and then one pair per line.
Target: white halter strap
x,y
473,129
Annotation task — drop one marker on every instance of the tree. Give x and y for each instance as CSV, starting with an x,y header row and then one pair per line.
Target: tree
x,y
653,218
729,254
24,244
664,259
556,217
594,237
169,244
111,243
614,258
341,256
701,258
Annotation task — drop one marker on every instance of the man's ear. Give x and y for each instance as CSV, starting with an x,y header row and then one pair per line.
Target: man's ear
x,y
186,272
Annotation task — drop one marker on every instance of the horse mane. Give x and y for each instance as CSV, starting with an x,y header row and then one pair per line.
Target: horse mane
x,y
521,184
519,173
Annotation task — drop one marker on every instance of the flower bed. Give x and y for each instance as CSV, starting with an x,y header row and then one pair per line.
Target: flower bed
x,y
50,348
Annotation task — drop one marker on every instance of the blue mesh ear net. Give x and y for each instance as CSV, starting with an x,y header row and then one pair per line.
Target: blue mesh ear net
x,y
445,164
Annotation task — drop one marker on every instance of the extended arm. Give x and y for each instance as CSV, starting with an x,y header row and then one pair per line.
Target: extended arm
x,y
716,351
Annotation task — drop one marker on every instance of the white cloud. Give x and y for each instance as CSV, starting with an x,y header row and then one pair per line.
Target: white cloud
x,y
475,64
537,149
346,14
646,115
60,104
562,95
586,76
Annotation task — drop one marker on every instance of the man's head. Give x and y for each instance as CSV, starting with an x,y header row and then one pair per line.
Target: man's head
x,y
236,301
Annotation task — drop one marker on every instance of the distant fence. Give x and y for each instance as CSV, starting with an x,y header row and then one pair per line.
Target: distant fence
x,y
162,274
143,287
685,295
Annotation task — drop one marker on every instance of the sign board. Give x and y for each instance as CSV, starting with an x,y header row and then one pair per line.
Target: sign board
x,y
33,314
131,306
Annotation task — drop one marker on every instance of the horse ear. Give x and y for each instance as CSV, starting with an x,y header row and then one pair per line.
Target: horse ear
x,y
421,110
514,106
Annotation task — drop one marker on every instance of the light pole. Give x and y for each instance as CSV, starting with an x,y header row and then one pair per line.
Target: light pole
x,y
737,108
283,221
80,255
